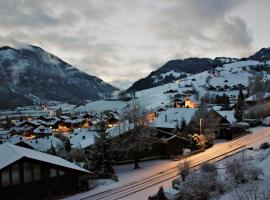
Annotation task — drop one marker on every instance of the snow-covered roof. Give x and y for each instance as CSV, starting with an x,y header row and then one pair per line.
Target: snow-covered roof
x,y
228,115
254,98
172,116
82,138
120,128
10,153
43,130
14,139
42,144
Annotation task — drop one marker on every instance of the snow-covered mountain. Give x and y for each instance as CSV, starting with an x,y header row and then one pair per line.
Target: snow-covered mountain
x,y
176,69
32,75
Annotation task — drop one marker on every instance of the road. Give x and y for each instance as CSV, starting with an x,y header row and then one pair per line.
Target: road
x,y
143,188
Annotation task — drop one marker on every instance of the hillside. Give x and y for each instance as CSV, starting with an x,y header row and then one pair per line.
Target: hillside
x,y
176,69
30,75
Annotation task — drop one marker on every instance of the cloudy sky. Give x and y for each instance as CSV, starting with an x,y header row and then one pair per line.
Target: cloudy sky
x,y
123,40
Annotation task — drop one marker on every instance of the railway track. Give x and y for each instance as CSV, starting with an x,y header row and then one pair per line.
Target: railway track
x,y
216,153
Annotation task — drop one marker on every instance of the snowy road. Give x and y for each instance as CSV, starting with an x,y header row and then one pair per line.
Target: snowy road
x,y
148,185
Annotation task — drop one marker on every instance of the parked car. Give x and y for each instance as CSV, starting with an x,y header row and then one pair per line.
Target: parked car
x,y
266,121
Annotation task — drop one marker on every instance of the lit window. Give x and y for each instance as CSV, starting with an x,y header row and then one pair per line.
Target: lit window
x,y
61,173
27,172
15,174
36,172
53,172
5,178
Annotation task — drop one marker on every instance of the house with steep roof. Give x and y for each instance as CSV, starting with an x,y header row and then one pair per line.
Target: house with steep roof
x,y
171,118
29,174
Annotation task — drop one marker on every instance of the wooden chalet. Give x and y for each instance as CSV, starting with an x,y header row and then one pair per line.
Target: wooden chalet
x,y
29,174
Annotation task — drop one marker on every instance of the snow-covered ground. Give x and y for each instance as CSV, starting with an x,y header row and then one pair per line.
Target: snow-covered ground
x,y
158,169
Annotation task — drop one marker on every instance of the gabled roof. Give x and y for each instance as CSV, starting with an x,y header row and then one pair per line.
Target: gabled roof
x,y
10,153
254,98
228,115
42,130
172,116
42,144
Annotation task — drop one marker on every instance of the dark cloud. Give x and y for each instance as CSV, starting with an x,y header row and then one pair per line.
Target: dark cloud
x,y
124,40
203,23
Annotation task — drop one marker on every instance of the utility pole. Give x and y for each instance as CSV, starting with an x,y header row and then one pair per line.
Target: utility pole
x,y
200,126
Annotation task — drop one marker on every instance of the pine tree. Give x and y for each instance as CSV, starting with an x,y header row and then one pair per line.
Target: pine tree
x,y
239,109
103,147
8,122
226,101
159,196
67,145
52,150
183,124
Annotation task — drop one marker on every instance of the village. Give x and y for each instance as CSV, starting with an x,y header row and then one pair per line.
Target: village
x,y
167,122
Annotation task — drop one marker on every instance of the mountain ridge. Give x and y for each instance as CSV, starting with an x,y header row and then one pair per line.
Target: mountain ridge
x,y
172,70
31,71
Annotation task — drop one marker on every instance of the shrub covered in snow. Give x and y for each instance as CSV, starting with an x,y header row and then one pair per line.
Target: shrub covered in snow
x,y
198,186
209,168
252,192
241,170
264,145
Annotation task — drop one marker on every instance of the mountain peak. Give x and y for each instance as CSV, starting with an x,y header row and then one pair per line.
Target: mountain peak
x,y
29,72
262,55
6,48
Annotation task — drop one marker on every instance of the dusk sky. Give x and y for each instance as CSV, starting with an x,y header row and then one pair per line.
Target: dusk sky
x,y
121,41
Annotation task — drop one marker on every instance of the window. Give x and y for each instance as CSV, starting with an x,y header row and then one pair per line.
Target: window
x,y
36,173
27,172
53,172
61,173
15,174
5,178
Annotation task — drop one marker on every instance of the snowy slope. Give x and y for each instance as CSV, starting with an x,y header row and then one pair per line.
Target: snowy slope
x,y
30,75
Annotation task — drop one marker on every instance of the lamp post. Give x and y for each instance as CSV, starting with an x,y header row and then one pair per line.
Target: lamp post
x,y
200,126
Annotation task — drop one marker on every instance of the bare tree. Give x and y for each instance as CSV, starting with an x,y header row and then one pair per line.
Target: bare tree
x,y
252,192
140,136
241,170
184,169
204,122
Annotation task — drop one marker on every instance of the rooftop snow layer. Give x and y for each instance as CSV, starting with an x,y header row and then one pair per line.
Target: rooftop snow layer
x,y
10,153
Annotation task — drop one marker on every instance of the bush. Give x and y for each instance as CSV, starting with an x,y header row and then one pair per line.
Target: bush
x,y
159,196
209,168
264,145
241,170
184,169
198,186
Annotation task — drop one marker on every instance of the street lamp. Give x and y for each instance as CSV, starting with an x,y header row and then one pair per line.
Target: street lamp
x,y
201,126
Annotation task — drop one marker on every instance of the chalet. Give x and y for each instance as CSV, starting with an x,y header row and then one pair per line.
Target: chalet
x,y
179,102
22,130
42,131
253,100
29,174
170,119
82,138
190,103
225,120
112,121
75,123
40,144
169,144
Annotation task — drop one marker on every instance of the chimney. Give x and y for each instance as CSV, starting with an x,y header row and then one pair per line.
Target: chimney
x,y
166,118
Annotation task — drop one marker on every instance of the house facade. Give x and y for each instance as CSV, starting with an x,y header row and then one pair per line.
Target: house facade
x,y
28,174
